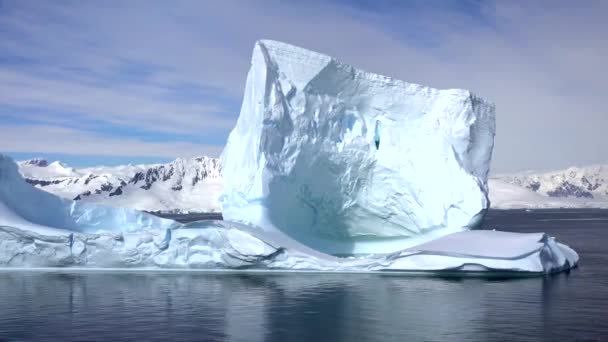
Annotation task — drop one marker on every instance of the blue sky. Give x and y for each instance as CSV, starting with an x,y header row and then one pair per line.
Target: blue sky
x,y
109,82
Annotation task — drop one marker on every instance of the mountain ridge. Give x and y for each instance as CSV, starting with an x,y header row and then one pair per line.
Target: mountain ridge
x,y
195,184
589,182
153,187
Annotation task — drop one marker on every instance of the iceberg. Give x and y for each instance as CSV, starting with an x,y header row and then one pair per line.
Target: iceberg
x,y
38,229
22,203
324,159
348,161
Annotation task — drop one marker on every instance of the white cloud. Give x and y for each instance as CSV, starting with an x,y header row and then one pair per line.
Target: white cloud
x,y
138,106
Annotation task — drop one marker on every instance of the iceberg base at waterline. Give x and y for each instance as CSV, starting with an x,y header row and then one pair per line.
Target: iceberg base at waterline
x,y
228,245
38,229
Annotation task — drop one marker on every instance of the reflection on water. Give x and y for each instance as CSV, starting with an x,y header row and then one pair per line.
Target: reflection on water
x,y
320,307
256,307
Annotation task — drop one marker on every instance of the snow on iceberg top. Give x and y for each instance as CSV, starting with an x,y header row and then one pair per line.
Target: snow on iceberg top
x,y
340,158
301,65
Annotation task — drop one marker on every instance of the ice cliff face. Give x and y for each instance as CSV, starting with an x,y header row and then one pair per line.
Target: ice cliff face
x,y
349,161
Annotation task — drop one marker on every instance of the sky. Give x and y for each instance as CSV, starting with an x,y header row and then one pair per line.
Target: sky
x,y
111,82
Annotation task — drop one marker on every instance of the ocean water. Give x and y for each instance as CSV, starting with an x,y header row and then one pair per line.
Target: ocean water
x,y
178,306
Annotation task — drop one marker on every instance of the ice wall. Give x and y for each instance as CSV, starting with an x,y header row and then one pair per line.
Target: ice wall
x,y
348,161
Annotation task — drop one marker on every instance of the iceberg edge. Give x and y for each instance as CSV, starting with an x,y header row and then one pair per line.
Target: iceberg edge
x,y
217,245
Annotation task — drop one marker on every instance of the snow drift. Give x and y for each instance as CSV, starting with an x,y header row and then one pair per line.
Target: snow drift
x,y
349,161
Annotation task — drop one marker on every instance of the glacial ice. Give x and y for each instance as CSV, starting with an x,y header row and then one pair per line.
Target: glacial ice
x,y
218,245
292,166
49,234
348,161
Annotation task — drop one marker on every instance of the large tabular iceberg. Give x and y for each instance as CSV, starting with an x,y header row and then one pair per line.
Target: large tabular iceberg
x,y
348,161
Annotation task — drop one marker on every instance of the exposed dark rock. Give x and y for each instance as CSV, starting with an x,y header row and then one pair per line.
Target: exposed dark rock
x,y
107,187
84,194
567,189
116,192
534,186
43,182
89,179
589,185
169,174
38,162
152,175
137,177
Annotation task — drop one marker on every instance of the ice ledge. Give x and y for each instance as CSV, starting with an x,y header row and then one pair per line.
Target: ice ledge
x,y
227,245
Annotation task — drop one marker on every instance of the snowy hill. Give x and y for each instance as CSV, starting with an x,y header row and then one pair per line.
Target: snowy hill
x,y
504,195
572,187
195,184
184,184
585,182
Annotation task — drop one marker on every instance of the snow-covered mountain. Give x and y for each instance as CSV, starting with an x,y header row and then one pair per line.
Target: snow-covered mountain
x,y
192,185
575,182
572,187
504,195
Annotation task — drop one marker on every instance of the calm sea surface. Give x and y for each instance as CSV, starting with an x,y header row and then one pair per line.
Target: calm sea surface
x,y
175,306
